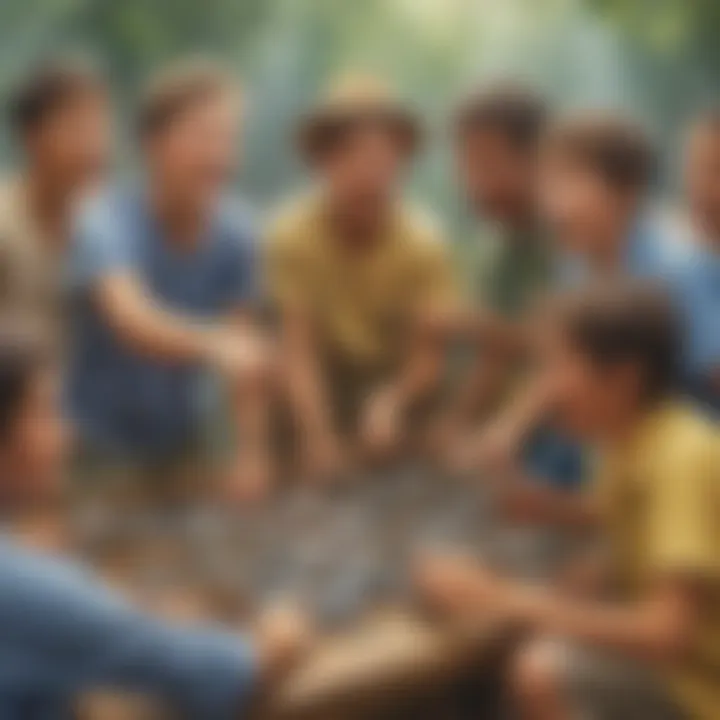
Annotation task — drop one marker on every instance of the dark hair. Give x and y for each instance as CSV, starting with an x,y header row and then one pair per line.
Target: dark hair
x,y
178,87
49,87
617,149
22,355
629,321
518,113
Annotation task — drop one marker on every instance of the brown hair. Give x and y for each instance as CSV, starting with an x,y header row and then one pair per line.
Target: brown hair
x,y
49,87
178,88
629,321
615,148
516,112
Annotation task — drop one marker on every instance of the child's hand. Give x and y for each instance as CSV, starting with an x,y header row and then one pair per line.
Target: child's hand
x,y
381,425
456,585
491,449
323,458
497,449
284,635
250,480
523,502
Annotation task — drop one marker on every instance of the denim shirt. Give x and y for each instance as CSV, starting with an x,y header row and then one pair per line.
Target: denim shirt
x,y
63,633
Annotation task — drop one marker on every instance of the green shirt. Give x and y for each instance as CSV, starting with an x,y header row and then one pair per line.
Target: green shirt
x,y
508,270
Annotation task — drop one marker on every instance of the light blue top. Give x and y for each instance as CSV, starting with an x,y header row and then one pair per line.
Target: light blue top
x,y
648,253
697,284
62,633
122,401
549,456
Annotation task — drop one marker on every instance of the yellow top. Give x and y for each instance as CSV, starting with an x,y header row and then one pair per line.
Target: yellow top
x,y
30,287
660,494
361,299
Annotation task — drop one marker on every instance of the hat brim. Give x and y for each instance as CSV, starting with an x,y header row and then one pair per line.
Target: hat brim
x,y
321,132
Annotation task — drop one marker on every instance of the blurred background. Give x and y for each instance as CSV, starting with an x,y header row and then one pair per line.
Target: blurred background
x,y
655,58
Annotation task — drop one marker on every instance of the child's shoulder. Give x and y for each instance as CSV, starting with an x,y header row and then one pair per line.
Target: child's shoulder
x,y
686,433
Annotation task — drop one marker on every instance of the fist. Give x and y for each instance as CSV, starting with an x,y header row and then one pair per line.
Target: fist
x,y
249,480
284,635
381,426
448,584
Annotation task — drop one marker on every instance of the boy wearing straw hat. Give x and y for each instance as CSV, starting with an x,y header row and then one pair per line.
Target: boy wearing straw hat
x,y
356,275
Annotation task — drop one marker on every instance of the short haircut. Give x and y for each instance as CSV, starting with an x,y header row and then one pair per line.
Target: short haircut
x,y
516,112
627,321
50,87
22,356
617,149
177,88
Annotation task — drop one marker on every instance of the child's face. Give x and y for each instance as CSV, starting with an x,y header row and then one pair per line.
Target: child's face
x,y
581,209
589,399
364,171
498,178
75,144
37,446
702,176
198,152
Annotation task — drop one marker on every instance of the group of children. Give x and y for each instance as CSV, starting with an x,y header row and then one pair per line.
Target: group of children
x,y
590,399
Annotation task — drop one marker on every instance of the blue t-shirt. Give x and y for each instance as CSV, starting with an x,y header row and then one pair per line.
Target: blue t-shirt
x,y
697,285
121,400
62,633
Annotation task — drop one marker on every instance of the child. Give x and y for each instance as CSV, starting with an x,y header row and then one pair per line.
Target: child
x,y
151,327
613,353
699,277
357,275
596,173
497,132
498,140
61,632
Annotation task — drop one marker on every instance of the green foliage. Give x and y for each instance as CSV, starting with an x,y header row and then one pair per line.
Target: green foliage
x,y
659,58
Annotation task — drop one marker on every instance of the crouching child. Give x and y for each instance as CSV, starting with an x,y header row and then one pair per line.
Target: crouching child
x,y
653,650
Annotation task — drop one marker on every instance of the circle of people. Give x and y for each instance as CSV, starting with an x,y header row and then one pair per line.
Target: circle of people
x,y
579,327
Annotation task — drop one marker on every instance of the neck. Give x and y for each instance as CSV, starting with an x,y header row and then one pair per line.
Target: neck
x,y
49,204
358,228
184,222
608,249
624,424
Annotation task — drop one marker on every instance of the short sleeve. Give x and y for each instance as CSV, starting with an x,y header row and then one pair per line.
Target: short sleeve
x,y
284,269
87,639
438,289
101,245
241,275
684,514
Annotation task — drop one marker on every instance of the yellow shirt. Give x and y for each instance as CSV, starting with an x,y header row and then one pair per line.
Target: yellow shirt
x,y
361,299
30,279
660,496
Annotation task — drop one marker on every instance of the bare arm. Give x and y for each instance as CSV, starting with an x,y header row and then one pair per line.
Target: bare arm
x,y
658,629
531,501
306,389
148,328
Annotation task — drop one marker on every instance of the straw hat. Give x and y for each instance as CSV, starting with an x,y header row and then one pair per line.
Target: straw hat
x,y
352,102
